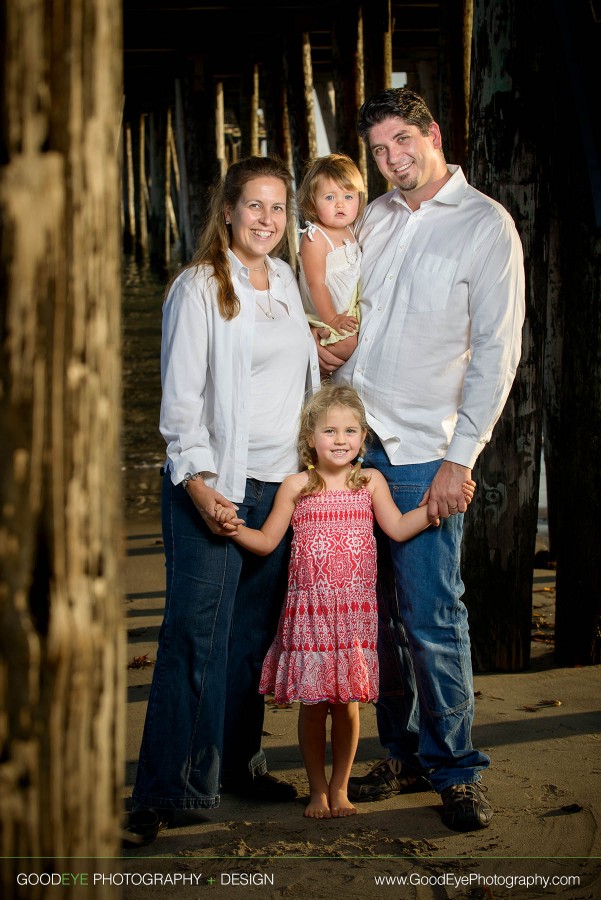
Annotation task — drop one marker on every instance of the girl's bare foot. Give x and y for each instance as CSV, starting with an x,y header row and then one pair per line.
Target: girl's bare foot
x,y
318,807
340,805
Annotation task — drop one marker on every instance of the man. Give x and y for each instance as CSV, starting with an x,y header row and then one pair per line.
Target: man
x,y
442,304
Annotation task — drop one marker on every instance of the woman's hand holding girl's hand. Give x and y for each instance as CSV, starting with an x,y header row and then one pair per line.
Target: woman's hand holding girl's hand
x,y
207,501
344,324
227,518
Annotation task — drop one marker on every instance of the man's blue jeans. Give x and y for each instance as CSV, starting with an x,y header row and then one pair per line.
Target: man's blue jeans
x,y
426,706
221,612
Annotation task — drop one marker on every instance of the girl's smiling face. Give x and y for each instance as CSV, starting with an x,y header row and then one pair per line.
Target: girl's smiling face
x,y
337,437
258,219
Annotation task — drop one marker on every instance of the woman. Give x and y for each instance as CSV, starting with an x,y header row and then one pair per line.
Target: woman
x,y
237,359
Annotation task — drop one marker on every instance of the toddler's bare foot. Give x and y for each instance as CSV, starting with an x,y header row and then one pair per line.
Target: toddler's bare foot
x,y
318,807
340,805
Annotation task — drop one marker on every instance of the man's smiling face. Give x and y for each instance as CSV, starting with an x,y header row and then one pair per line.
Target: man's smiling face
x,y
407,158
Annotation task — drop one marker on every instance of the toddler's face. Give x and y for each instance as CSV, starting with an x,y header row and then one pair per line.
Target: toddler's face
x,y
336,206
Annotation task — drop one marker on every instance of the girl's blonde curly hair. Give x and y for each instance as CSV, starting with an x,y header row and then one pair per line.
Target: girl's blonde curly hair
x,y
328,396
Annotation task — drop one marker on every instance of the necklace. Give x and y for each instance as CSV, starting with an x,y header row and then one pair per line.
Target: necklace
x,y
257,268
267,312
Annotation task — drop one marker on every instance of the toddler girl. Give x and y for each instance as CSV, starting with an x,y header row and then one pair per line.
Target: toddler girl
x,y
330,199
325,650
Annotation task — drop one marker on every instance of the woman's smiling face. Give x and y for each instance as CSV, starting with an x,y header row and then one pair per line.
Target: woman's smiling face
x,y
258,220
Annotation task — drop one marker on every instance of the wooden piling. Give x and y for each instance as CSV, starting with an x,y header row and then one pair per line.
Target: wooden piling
x,y
186,240
62,651
159,181
506,164
377,71
128,199
348,83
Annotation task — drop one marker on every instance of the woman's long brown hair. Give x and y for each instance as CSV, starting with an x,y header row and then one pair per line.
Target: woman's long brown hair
x,y
215,238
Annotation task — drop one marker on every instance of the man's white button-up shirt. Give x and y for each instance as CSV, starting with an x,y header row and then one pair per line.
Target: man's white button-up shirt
x,y
442,307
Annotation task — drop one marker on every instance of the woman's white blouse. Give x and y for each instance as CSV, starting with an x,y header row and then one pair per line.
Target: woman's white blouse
x,y
277,391
206,367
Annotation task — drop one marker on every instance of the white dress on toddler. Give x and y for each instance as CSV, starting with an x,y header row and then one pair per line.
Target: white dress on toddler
x,y
342,281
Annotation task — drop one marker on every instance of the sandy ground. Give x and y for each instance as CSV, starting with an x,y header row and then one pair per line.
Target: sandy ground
x,y
544,782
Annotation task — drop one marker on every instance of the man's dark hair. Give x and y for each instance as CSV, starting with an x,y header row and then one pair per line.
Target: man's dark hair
x,y
395,102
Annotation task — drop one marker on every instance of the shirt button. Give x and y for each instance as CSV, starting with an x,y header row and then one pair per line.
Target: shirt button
x,y
313,367
380,308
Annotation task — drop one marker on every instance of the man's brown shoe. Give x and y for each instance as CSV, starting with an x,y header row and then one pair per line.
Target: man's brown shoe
x,y
386,778
465,808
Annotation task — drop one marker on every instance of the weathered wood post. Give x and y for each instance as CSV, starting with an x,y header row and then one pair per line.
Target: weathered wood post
x,y
138,130
577,193
552,420
172,184
277,128
62,651
185,225
128,201
249,109
159,187
454,77
220,128
507,162
275,105
198,125
377,71
347,58
299,87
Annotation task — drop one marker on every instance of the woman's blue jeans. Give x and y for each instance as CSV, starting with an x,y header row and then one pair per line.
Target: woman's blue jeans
x,y
426,706
222,604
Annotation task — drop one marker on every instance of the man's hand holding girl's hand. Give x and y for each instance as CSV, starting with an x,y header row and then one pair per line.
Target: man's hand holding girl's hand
x,y
451,491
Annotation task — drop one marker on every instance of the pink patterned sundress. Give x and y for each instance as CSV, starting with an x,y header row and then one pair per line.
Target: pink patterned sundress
x,y
325,648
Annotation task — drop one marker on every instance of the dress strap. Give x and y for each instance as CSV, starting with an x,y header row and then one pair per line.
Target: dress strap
x,y
310,230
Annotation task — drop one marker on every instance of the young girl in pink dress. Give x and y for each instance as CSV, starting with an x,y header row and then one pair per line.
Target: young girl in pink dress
x,y
325,650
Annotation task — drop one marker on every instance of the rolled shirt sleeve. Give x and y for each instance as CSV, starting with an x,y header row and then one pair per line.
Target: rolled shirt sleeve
x,y
184,366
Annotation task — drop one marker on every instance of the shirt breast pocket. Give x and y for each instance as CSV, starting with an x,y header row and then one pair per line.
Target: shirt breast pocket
x,y
431,283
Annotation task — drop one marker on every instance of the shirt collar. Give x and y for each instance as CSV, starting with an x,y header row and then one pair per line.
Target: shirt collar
x,y
451,193
238,268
